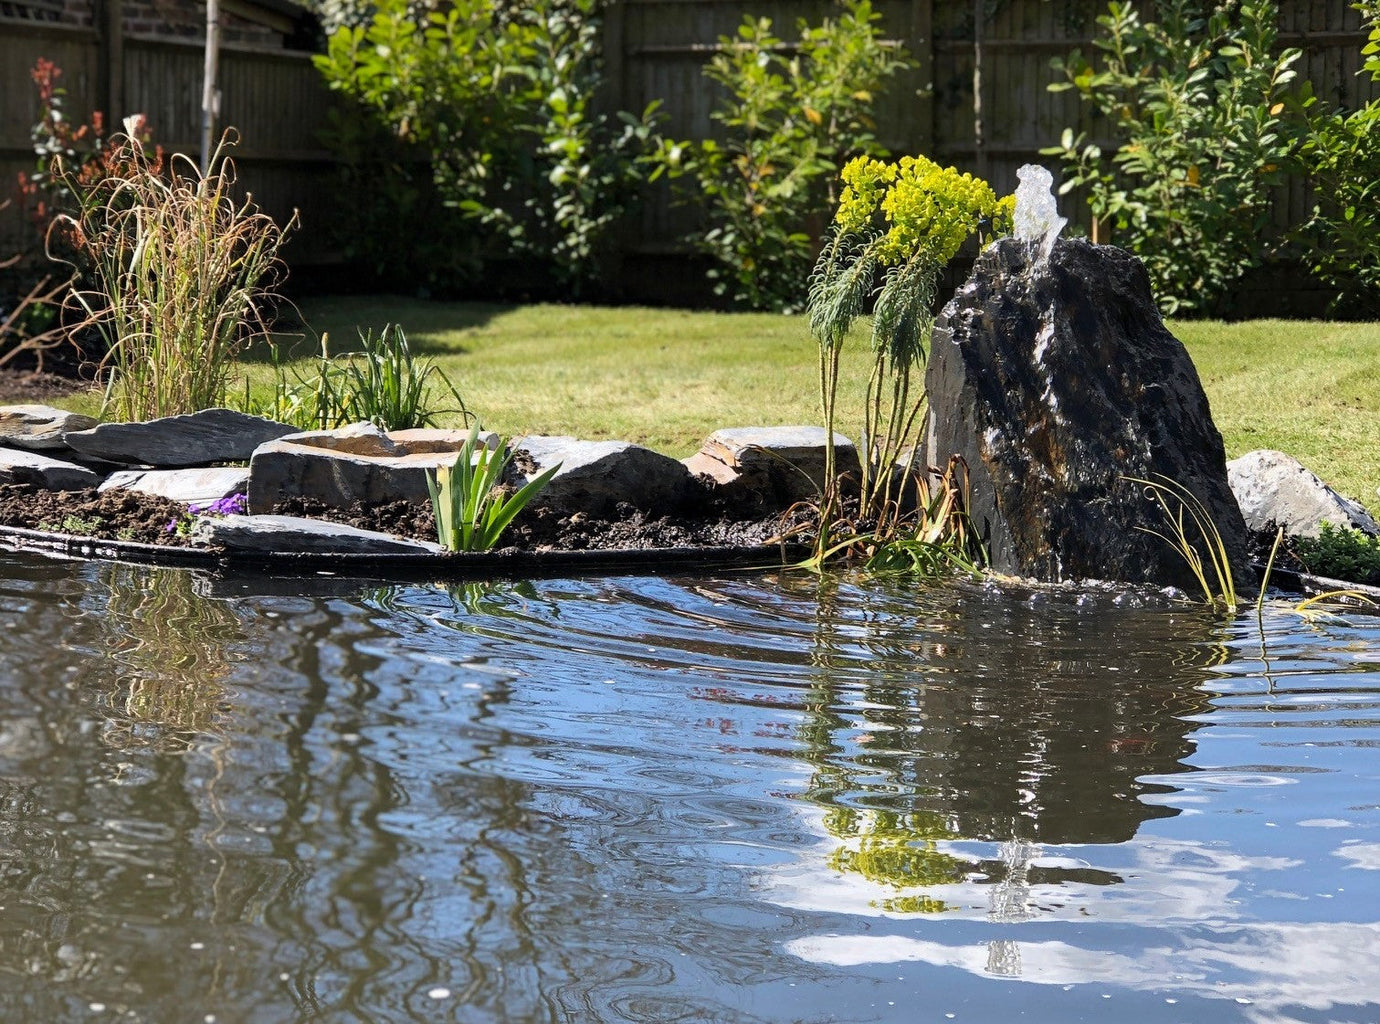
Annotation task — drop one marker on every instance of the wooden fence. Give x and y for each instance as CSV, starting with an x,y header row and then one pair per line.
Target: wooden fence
x,y
977,97
275,98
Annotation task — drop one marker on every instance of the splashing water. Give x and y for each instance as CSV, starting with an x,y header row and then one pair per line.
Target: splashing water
x,y
1037,216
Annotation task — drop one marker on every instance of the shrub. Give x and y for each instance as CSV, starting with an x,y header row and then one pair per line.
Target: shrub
x,y
791,116
1341,554
175,275
1198,104
1341,240
496,101
897,227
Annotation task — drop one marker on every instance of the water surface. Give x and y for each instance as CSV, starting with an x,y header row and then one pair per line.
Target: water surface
x,y
737,797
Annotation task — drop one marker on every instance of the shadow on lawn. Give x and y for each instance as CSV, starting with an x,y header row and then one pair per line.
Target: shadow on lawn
x,y
420,319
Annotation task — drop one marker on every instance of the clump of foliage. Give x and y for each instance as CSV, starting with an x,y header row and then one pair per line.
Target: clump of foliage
x,y
383,383
1198,102
1342,156
482,114
1341,554
469,499
791,115
175,272
897,227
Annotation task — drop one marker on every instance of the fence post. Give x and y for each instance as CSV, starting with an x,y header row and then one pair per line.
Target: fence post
x,y
921,46
110,61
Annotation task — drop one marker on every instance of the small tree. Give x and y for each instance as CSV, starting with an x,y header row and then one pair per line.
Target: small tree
x,y
1197,101
791,115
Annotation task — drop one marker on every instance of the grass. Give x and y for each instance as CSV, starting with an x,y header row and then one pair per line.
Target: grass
x,y
666,378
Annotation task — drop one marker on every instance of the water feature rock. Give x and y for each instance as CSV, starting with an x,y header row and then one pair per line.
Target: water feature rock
x,y
1274,489
39,428
291,534
187,485
197,439
597,476
1056,381
23,467
769,467
358,463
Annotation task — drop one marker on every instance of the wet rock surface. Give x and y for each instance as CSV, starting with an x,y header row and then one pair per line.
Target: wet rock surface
x,y
1056,382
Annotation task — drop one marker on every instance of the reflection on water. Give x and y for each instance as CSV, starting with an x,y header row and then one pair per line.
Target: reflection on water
x,y
725,798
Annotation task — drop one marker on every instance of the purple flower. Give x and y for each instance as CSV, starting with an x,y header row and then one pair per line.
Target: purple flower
x,y
234,505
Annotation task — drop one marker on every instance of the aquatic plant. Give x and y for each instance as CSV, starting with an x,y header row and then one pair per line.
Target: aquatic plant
x,y
471,506
176,274
1193,534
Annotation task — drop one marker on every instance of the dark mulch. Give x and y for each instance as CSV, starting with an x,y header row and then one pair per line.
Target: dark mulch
x,y
127,515
28,387
113,515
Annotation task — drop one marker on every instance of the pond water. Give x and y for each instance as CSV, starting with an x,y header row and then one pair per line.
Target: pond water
x,y
733,797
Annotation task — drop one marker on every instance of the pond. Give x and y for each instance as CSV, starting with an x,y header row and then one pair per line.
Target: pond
x,y
728,797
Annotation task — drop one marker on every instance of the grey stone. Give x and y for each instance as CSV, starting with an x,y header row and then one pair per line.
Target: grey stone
x,y
769,467
39,428
1275,489
197,439
358,463
292,534
597,476
1056,381
182,484
21,467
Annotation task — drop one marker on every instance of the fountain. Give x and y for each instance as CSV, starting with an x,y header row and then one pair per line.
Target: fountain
x,y
1053,376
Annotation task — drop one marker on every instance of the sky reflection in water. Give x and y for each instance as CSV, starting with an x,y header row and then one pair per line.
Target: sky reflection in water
x,y
736,798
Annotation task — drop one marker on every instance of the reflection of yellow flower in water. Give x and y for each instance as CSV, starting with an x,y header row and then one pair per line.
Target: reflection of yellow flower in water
x,y
170,647
897,850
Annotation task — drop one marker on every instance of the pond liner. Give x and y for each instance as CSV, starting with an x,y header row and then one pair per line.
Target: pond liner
x,y
400,565
1307,584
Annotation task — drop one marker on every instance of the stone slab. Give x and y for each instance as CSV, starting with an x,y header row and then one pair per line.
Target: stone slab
x,y
39,428
188,485
1275,489
359,463
598,476
197,439
292,534
24,467
770,467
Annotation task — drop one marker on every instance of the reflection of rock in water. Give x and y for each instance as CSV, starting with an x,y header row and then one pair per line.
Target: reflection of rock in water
x,y
1003,722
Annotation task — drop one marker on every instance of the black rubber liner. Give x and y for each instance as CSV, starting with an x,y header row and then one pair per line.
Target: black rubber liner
x,y
401,565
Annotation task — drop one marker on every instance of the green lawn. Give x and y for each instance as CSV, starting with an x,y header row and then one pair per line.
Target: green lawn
x,y
666,378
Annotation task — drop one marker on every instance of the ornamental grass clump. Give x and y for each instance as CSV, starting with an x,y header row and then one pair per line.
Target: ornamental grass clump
x,y
176,274
471,505
897,227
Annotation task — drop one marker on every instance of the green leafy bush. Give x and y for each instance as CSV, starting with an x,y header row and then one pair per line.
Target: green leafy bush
x,y
1199,107
1341,240
471,506
489,109
791,115
1341,554
174,271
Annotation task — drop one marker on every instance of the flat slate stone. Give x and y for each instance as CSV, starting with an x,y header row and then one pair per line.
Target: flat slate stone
x,y
39,428
1275,489
187,485
292,534
21,467
358,463
197,439
597,476
770,467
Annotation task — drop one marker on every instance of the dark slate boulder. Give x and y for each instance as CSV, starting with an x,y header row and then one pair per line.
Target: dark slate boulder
x,y
1056,382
